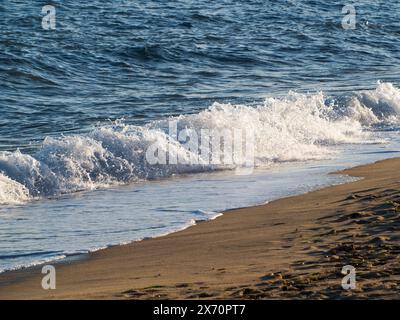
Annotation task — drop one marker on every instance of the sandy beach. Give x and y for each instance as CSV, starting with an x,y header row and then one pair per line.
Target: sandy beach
x,y
290,248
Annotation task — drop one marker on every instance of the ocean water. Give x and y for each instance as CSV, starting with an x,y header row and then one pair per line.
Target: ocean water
x,y
81,105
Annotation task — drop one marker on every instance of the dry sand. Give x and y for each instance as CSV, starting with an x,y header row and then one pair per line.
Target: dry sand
x,y
290,248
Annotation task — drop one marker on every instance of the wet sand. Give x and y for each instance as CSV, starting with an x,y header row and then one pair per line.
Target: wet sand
x,y
292,248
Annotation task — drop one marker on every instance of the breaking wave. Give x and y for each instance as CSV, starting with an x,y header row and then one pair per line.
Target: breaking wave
x,y
297,127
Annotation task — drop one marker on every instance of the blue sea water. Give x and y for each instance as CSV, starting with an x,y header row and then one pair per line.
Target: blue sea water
x,y
80,104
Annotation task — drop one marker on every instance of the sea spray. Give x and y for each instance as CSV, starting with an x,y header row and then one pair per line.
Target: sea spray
x,y
297,127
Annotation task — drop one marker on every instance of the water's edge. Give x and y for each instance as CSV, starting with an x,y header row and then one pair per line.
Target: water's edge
x,y
79,257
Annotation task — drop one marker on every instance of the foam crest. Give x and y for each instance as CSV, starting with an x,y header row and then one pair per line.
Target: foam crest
x,y
298,127
12,192
381,105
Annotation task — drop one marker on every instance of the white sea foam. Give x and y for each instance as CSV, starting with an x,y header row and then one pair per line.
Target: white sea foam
x,y
34,263
297,127
11,191
384,102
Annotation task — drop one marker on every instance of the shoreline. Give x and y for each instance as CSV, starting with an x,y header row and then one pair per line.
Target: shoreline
x,y
66,258
229,261
76,256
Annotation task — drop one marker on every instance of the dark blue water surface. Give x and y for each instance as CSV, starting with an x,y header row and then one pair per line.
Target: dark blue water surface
x,y
143,60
